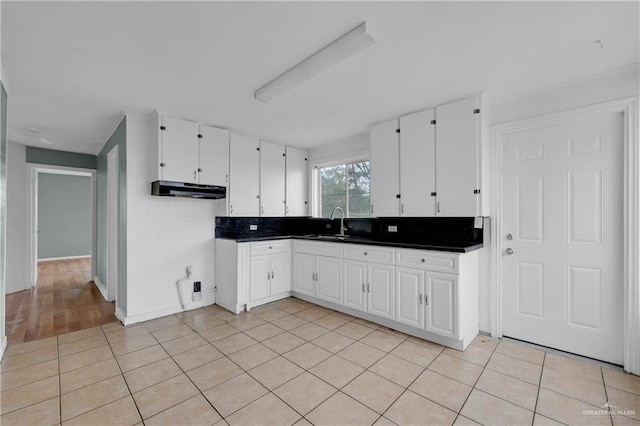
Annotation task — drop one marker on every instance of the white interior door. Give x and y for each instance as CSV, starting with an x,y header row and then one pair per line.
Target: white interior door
x,y
563,237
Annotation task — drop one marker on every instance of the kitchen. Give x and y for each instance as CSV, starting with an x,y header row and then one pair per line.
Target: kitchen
x,y
338,118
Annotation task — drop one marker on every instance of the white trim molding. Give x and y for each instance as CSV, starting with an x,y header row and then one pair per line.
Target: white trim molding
x,y
101,287
631,314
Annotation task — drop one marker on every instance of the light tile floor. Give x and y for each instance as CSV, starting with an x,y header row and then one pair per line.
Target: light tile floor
x,y
291,362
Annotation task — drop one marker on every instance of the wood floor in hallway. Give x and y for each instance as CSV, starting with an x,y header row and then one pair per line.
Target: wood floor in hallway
x,y
65,299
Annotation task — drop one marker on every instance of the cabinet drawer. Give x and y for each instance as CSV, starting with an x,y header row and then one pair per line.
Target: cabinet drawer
x,y
377,254
318,248
428,260
269,247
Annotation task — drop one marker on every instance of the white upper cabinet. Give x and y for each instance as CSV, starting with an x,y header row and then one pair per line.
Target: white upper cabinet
x,y
417,164
272,177
178,153
458,158
385,166
244,176
214,156
297,182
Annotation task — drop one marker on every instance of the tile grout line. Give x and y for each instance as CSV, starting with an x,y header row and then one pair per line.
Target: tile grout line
x,y
535,407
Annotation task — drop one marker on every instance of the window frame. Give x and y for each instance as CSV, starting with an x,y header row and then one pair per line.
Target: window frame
x,y
315,180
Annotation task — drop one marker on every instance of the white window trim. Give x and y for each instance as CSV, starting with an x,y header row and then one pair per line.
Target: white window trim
x,y
629,107
314,176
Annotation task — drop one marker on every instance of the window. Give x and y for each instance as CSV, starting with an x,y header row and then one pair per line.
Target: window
x,y
347,186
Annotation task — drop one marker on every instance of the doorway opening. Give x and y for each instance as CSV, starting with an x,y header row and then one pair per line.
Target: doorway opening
x,y
62,295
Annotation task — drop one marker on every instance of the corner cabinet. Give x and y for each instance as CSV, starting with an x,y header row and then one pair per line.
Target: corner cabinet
x,y
296,182
244,176
190,152
272,179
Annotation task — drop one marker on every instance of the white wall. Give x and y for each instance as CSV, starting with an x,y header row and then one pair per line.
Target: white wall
x,y
17,218
340,149
164,234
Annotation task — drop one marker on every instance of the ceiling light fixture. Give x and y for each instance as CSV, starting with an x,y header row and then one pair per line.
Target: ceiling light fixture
x,y
332,54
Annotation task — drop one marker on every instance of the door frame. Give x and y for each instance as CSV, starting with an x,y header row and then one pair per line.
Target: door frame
x,y
32,209
113,225
631,209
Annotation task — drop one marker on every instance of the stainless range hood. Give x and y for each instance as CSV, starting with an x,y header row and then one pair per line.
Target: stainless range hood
x,y
165,188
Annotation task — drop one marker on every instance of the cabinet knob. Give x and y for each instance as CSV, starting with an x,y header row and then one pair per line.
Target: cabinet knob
x,y
365,253
270,247
422,260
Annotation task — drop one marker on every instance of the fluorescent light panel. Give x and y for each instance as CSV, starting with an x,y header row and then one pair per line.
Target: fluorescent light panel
x,y
332,54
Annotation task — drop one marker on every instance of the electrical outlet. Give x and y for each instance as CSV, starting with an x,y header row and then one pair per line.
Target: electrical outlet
x,y
253,227
392,228
478,222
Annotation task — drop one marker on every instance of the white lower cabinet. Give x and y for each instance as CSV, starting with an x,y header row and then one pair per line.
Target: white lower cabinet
x,y
270,275
427,300
369,287
318,276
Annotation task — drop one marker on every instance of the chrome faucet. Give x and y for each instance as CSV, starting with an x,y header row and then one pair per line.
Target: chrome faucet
x,y
333,216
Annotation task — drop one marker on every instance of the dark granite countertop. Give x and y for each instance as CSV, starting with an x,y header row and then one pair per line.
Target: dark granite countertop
x,y
451,246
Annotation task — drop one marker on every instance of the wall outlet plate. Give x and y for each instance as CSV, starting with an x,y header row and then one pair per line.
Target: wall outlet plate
x,y
392,228
196,296
253,227
478,222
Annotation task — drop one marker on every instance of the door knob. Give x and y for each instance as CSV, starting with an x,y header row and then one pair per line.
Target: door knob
x,y
509,237
509,251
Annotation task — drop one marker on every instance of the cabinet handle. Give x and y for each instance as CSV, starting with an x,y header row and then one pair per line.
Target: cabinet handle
x,y
368,288
230,209
438,206
262,210
426,299
422,260
371,208
401,207
287,211
420,299
363,287
226,178
272,275
195,175
268,275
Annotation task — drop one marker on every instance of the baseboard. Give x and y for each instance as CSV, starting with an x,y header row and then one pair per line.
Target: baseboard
x,y
52,259
208,298
101,287
3,346
120,315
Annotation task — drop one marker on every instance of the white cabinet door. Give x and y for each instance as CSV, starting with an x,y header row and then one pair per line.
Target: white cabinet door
x,y
297,182
214,156
244,176
410,296
272,165
355,282
385,164
304,273
329,278
441,303
418,164
457,158
179,150
280,273
260,277
381,290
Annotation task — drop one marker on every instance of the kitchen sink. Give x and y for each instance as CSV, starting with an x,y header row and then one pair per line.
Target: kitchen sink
x,y
329,237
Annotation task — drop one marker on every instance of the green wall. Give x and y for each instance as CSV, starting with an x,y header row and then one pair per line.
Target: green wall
x,y
118,138
53,157
64,215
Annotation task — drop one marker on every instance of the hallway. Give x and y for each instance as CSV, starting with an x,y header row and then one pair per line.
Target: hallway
x,y
64,300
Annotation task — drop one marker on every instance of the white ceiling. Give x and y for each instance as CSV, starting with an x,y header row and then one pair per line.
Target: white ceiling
x,y
72,67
